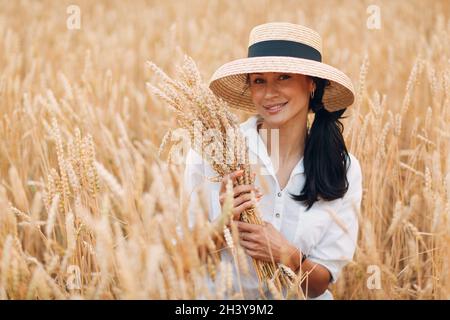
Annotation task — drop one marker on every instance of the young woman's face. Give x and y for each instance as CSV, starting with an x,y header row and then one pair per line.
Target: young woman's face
x,y
279,97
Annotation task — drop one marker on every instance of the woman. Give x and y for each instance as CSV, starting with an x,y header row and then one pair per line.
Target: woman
x,y
314,193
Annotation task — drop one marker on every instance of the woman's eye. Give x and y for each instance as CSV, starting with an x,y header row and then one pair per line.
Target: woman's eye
x,y
258,81
284,77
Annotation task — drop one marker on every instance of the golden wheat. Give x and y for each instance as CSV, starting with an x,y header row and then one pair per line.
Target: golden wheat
x,y
78,125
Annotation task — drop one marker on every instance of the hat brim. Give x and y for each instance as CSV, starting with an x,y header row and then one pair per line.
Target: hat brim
x,y
229,81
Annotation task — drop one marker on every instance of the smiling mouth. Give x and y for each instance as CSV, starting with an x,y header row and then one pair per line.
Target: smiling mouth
x,y
275,107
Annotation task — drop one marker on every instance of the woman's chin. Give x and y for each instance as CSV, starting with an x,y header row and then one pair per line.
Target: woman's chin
x,y
282,117
275,120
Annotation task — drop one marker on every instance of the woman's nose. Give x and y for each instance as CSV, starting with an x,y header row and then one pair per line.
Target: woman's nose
x,y
271,91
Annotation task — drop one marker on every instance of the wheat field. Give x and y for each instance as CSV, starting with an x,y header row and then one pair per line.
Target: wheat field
x,y
88,209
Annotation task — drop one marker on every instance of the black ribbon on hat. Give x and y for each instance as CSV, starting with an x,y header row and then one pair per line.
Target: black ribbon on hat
x,y
284,48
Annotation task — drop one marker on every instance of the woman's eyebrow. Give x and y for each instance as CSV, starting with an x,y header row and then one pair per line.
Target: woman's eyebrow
x,y
261,74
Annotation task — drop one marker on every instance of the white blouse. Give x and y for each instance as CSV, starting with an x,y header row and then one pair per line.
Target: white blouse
x,y
326,233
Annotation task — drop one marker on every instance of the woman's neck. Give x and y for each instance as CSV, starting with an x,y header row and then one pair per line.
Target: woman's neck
x,y
291,138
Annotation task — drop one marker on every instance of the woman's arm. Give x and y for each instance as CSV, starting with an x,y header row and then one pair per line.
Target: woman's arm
x,y
264,242
318,276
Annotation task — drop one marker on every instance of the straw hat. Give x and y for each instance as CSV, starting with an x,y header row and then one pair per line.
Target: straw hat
x,y
281,47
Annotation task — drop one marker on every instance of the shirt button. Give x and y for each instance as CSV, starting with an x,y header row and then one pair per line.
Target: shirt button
x,y
277,215
279,194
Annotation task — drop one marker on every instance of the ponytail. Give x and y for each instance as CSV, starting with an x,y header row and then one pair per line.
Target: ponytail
x,y
325,157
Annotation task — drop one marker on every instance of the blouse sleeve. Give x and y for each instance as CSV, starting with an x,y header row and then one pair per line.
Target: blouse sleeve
x,y
195,184
338,245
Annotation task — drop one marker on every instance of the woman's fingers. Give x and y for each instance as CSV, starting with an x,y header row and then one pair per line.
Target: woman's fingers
x,y
233,176
241,199
247,236
237,210
241,208
249,245
241,194
245,188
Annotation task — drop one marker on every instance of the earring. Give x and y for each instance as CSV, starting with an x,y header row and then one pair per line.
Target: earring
x,y
312,94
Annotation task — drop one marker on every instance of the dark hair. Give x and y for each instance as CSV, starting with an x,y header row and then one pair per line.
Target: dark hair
x,y
326,158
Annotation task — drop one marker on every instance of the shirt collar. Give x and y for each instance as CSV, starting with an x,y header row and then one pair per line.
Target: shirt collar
x,y
258,147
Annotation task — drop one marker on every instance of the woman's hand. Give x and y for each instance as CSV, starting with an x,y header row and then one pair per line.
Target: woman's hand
x,y
242,198
264,242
